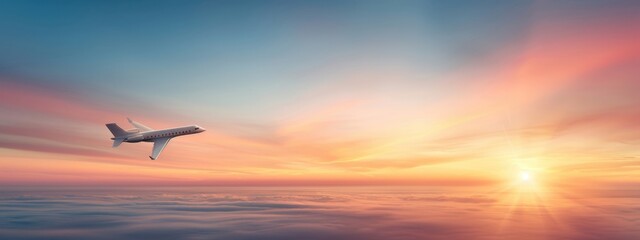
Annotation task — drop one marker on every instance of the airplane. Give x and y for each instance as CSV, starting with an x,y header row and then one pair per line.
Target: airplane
x,y
142,133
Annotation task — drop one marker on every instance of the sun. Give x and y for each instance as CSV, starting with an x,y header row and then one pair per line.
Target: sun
x,y
525,176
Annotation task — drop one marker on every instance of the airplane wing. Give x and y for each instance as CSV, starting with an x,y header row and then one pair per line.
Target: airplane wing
x,y
158,145
139,126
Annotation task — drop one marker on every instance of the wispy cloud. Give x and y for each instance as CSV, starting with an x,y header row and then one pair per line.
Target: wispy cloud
x,y
558,93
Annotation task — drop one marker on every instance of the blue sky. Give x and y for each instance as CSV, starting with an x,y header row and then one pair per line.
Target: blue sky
x,y
238,58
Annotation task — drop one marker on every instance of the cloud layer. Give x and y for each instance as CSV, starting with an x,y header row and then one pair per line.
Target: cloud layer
x,y
311,213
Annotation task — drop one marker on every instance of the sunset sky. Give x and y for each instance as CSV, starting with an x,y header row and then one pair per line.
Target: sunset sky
x,y
452,93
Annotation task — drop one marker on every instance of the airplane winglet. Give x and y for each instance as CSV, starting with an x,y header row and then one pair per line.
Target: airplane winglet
x,y
152,158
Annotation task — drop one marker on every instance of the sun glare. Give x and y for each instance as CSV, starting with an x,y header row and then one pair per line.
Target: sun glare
x,y
525,176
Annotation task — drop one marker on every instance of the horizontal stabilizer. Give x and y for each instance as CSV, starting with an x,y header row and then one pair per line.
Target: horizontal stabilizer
x,y
117,141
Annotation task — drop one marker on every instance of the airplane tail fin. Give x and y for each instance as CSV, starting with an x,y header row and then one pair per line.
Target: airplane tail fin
x,y
116,130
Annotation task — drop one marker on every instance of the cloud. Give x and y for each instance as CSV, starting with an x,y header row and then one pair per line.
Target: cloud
x,y
54,148
161,217
294,213
445,198
24,98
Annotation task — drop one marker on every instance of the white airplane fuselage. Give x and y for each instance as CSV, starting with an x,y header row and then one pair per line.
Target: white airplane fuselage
x,y
149,136
142,133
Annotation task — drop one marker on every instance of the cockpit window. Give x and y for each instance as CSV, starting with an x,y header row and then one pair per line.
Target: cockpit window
x,y
197,128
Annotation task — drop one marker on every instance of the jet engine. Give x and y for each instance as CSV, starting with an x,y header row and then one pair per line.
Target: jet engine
x,y
136,138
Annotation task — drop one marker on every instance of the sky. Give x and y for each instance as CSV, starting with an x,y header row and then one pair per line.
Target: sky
x,y
446,93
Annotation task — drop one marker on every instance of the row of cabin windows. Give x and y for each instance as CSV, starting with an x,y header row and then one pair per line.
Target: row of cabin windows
x,y
168,134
